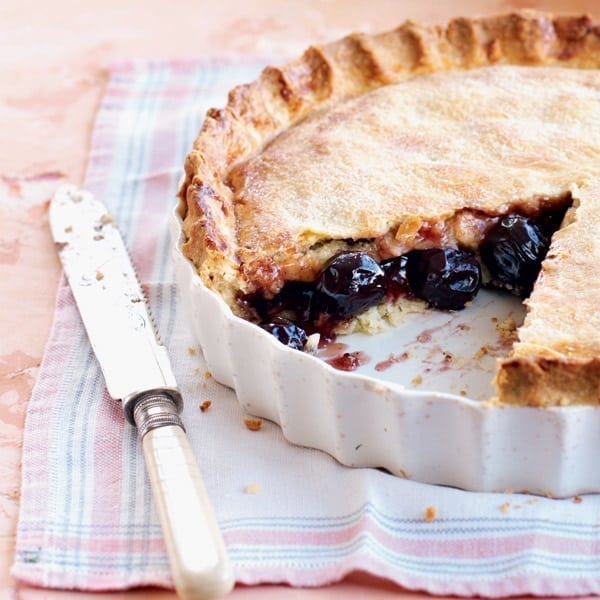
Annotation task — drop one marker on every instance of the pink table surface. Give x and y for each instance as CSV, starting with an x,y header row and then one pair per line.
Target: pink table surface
x,y
53,69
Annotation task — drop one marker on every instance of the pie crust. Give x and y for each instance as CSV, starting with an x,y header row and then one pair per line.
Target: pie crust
x,y
293,170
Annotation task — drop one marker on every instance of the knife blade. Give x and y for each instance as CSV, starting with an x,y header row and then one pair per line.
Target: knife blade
x,y
138,372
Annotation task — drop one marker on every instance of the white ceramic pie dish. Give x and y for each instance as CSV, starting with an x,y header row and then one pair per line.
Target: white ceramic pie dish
x,y
374,417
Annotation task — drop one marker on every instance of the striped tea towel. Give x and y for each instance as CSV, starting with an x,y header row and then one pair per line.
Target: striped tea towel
x,y
288,514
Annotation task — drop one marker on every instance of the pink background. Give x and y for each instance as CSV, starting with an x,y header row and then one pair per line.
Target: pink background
x,y
53,69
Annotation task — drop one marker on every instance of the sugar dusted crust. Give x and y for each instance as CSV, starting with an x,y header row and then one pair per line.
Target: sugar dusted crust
x,y
403,166
236,185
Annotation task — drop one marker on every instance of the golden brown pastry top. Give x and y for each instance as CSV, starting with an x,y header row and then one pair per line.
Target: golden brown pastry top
x,y
413,155
249,199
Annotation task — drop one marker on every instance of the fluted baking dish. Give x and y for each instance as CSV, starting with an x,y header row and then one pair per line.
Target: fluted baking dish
x,y
420,405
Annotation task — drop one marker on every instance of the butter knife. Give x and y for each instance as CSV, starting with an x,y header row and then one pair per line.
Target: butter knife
x,y
137,371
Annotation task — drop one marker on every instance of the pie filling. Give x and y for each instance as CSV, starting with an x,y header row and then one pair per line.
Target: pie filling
x,y
443,269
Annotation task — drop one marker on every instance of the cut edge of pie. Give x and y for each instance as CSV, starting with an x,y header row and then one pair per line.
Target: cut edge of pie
x,y
556,360
539,372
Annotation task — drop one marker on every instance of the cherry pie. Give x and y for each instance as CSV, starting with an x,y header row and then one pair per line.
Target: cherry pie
x,y
410,168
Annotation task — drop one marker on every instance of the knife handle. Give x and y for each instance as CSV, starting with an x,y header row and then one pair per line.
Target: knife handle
x,y
197,556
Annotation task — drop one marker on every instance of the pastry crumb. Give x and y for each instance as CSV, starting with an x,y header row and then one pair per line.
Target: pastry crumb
x,y
253,424
191,351
312,343
204,406
532,501
417,380
207,374
483,351
430,514
252,488
577,499
507,328
107,218
493,401
99,275
463,392
75,195
505,507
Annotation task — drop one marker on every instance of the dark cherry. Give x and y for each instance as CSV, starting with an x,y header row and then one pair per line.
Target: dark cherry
x,y
295,299
348,284
513,251
550,220
287,332
298,297
445,277
395,273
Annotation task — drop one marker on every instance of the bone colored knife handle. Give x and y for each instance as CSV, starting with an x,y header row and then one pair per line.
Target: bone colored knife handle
x,y
199,563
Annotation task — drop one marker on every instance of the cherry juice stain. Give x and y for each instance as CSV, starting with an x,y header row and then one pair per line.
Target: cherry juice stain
x,y
392,359
348,361
336,355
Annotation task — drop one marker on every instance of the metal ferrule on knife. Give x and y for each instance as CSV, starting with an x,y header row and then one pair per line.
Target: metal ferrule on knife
x,y
154,409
